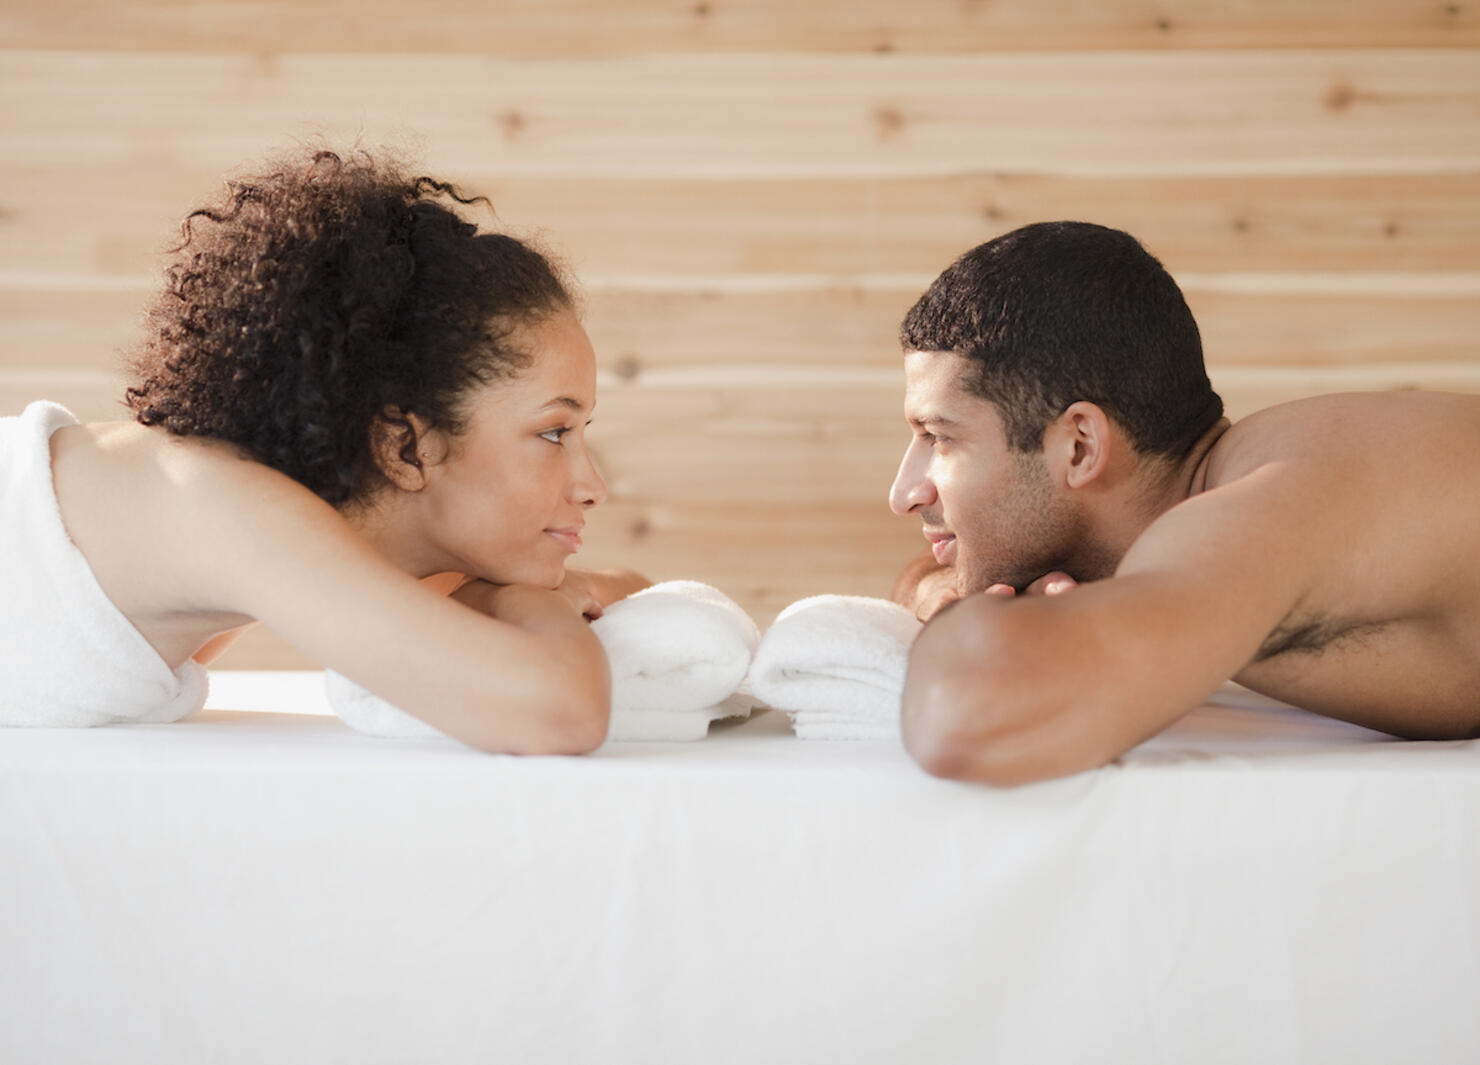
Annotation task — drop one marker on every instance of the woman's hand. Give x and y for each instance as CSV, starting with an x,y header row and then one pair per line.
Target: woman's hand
x,y
591,592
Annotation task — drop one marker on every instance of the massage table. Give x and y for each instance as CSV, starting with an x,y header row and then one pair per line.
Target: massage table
x,y
261,884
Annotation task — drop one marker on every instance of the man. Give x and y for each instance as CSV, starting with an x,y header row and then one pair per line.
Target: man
x,y
1109,549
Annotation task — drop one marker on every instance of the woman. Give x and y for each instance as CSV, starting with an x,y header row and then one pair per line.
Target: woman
x,y
345,388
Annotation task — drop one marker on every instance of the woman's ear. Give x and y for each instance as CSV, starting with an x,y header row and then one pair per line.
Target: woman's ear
x,y
1081,444
405,448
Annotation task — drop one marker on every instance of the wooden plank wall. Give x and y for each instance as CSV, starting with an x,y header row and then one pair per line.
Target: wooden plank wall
x,y
753,191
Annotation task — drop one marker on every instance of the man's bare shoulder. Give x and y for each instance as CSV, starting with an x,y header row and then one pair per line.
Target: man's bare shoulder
x,y
1405,428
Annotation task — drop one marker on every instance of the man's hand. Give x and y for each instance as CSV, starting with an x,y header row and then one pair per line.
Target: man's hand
x,y
935,592
926,587
1055,583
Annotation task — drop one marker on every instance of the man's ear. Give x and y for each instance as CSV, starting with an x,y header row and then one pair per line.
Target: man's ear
x,y
405,447
1080,444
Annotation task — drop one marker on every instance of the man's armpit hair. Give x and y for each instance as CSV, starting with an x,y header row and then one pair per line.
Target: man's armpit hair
x,y
1312,636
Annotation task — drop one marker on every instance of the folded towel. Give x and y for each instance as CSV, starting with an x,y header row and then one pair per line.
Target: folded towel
x,y
69,658
678,652
836,665
646,726
676,646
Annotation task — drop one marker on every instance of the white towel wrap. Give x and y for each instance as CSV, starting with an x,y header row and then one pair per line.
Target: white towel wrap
x,y
69,657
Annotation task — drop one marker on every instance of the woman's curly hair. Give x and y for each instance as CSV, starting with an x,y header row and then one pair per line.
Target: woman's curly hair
x,y
327,293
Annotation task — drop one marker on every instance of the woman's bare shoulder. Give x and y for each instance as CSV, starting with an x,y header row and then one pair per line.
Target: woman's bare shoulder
x,y
191,511
196,484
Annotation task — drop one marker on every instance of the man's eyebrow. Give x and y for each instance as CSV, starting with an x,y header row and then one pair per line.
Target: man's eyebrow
x,y
930,418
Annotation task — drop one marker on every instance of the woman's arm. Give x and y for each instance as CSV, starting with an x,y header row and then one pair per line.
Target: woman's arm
x,y
592,591
521,672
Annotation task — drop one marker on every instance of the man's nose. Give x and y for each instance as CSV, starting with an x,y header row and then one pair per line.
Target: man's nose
x,y
911,487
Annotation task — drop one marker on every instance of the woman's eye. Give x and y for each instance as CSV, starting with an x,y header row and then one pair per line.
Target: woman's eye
x,y
554,435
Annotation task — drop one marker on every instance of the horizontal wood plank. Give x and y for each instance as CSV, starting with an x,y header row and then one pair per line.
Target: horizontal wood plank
x,y
1081,114
601,27
121,216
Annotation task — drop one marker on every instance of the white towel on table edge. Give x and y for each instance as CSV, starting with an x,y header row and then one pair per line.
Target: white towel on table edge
x,y
676,646
835,664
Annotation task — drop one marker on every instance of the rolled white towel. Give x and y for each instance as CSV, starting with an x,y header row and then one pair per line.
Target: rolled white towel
x,y
836,665
676,646
678,652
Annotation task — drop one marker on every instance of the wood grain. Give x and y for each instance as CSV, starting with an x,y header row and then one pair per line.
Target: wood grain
x,y
85,219
1098,114
601,27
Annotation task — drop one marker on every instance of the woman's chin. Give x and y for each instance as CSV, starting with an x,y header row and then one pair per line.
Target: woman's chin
x,y
539,568
543,574
536,573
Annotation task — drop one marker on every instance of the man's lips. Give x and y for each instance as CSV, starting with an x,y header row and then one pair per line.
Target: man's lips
x,y
942,546
569,537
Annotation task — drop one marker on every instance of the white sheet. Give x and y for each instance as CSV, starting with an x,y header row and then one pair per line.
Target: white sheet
x,y
1254,886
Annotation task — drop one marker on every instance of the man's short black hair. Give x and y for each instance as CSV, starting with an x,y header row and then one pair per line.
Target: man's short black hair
x,y
1058,312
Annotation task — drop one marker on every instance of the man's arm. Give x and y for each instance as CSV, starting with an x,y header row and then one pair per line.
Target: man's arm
x,y
925,586
1012,690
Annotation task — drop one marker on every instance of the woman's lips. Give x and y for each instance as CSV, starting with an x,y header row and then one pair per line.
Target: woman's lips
x,y
570,539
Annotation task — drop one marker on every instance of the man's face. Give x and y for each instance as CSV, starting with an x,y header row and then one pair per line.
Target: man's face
x,y
993,513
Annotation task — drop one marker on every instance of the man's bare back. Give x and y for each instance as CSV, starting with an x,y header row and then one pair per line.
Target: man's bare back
x,y
1387,630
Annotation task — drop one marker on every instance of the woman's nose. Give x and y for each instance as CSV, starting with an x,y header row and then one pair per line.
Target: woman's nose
x,y
589,489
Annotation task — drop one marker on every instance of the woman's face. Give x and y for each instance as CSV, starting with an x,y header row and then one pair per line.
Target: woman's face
x,y
507,500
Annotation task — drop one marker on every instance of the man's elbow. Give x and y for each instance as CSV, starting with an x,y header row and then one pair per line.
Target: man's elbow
x,y
975,709
969,739
951,733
